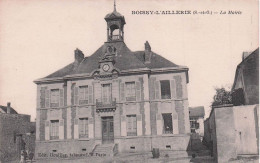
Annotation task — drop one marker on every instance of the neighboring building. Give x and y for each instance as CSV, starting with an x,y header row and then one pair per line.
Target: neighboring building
x,y
245,90
196,128
197,120
16,134
134,101
232,131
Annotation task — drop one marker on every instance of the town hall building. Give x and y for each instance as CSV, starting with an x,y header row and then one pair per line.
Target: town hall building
x,y
114,100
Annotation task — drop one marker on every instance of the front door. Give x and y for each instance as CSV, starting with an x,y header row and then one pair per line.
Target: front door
x,y
107,130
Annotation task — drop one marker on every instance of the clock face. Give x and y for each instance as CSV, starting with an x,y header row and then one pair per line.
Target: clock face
x,y
106,67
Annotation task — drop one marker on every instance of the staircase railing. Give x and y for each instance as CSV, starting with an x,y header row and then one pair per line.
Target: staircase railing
x,y
93,150
115,149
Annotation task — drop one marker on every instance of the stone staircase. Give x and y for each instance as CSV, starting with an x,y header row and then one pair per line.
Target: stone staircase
x,y
105,150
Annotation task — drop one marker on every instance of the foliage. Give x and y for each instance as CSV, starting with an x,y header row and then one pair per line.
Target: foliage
x,y
222,97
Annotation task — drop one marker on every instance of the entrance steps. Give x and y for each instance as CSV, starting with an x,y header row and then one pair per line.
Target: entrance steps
x,y
105,150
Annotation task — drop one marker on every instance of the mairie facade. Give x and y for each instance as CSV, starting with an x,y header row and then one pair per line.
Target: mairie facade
x,y
135,101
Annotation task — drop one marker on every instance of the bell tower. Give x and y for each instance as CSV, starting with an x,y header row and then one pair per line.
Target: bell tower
x,y
115,26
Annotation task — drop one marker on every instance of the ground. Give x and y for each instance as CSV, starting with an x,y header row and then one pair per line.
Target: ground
x,y
169,157
173,157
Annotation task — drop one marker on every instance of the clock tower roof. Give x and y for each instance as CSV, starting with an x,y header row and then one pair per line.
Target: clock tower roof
x,y
115,15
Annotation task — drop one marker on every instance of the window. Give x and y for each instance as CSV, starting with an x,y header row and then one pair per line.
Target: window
x,y
106,93
131,125
167,123
54,129
130,91
194,125
83,128
55,97
165,89
83,95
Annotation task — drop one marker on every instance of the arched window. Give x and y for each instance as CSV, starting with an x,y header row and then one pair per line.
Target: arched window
x,y
114,32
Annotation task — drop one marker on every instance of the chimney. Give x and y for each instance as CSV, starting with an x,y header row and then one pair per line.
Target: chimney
x,y
79,56
147,46
8,110
244,55
147,52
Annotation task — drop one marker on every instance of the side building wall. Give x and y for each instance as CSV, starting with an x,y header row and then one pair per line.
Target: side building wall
x,y
232,131
14,127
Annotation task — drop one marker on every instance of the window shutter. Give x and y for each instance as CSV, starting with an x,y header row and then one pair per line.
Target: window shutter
x,y
42,97
159,124
175,123
76,128
90,128
76,100
72,94
138,91
157,90
123,125
122,91
61,129
152,88
90,93
47,130
139,125
47,98
173,89
178,86
61,97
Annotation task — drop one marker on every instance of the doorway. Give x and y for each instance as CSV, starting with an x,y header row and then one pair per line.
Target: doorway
x,y
107,130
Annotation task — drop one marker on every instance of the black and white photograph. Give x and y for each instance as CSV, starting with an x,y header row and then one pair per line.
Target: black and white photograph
x,y
120,81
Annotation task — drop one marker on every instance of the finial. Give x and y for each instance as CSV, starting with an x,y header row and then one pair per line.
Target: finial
x,y
114,5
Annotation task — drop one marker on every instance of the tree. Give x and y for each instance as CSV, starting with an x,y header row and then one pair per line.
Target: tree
x,y
222,97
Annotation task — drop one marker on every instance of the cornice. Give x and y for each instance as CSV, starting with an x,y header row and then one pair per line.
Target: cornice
x,y
48,80
122,72
170,69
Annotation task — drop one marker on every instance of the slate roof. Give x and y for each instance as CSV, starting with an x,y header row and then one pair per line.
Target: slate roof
x,y
124,60
4,108
115,13
197,111
247,72
255,56
157,61
63,72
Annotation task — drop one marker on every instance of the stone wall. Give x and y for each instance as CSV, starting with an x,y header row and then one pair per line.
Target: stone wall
x,y
232,131
13,130
144,144
45,149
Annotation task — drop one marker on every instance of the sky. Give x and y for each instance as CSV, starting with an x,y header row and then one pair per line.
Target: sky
x,y
38,37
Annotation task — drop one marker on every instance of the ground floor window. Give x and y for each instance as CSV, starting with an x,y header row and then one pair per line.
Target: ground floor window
x,y
83,128
167,123
131,125
54,129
